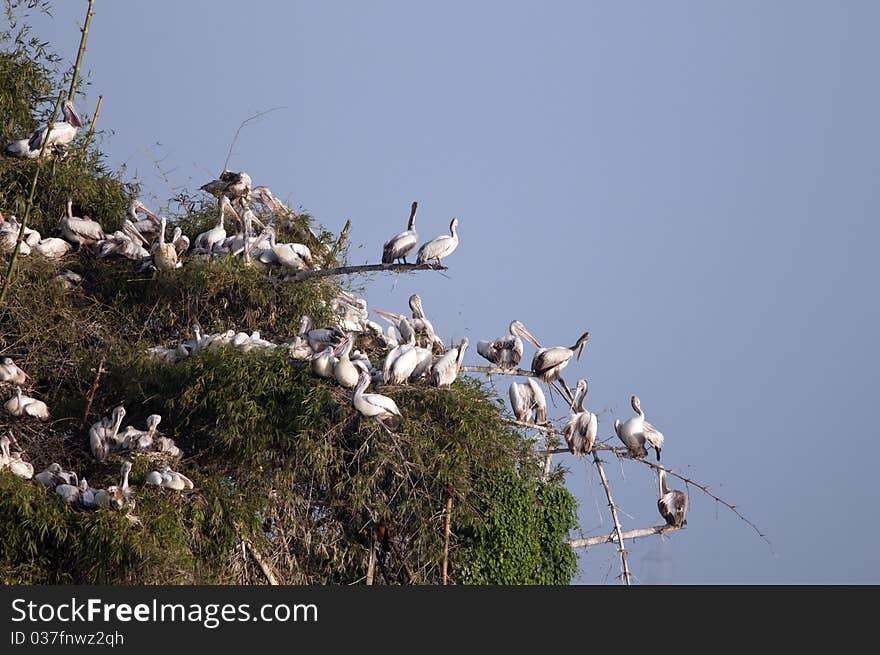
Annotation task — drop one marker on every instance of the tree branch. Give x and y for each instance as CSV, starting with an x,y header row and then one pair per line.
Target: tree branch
x,y
494,370
364,268
85,146
622,550
264,566
241,125
629,534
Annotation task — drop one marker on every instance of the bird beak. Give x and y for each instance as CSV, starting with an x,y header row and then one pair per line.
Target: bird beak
x,y
530,338
71,115
580,351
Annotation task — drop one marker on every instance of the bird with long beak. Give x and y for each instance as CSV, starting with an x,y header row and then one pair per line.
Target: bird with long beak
x,y
60,134
547,363
506,351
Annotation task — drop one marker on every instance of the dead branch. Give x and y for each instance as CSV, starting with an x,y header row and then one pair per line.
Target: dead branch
x,y
340,242
622,549
91,397
264,566
241,125
629,534
494,370
364,268
625,454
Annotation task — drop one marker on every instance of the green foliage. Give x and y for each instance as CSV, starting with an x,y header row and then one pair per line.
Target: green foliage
x,y
520,537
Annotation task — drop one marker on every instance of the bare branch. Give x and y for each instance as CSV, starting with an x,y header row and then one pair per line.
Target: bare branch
x,y
241,125
494,370
622,550
629,534
364,268
264,566
85,147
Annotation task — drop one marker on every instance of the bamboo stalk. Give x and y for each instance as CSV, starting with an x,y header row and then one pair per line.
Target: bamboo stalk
x,y
629,534
622,549
7,282
331,258
82,50
85,147
447,530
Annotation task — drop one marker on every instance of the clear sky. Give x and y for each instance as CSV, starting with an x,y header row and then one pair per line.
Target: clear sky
x,y
695,183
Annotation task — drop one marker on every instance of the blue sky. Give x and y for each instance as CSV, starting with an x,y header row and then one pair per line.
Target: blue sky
x,y
695,183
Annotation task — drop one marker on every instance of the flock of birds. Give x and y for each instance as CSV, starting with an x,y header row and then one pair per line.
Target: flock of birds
x,y
106,438
415,352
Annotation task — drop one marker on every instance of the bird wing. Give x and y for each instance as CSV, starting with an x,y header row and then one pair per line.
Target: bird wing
x,y
384,402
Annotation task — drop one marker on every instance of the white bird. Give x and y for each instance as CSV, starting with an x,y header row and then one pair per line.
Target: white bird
x,y
134,439
121,243
401,361
547,363
440,247
54,475
60,135
323,362
103,435
147,228
402,244
372,405
69,492
583,426
115,496
164,254
52,247
10,372
169,479
67,279
80,231
291,255
88,495
421,324
345,372
424,359
231,184
180,241
528,402
13,461
206,241
507,351
20,405
445,370
401,323
635,430
672,503
320,338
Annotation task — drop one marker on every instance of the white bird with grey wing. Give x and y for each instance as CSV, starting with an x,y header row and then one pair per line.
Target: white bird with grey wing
x,y
164,253
207,240
421,324
528,402
547,363
672,503
583,426
506,351
401,360
80,231
60,134
21,405
635,430
344,370
445,370
13,461
439,247
402,244
372,405
104,432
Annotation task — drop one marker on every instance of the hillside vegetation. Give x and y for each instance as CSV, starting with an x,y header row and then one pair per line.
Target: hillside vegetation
x,y
290,482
